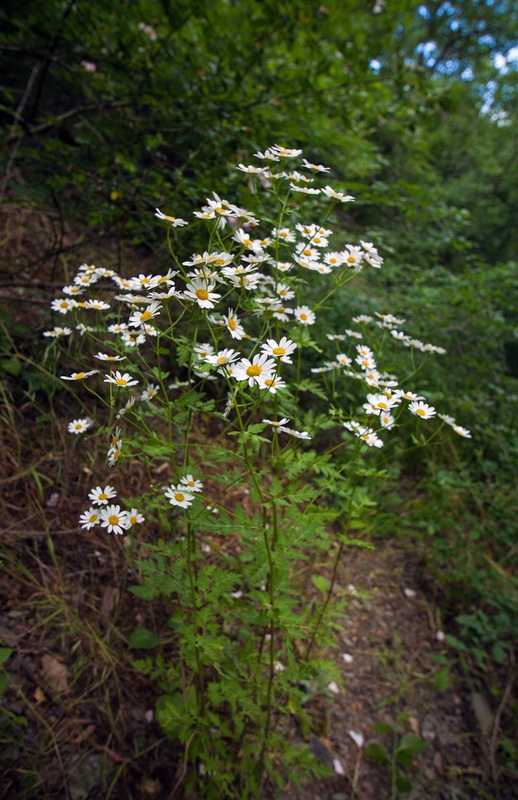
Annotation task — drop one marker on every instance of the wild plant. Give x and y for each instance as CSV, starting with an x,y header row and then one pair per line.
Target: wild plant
x,y
257,441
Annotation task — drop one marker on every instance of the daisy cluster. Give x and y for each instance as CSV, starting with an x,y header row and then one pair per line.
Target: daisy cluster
x,y
248,275
106,514
253,277
388,398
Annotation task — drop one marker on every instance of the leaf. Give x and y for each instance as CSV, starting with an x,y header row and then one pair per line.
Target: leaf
x,y
143,639
442,679
55,673
381,728
377,752
409,745
5,652
320,583
403,784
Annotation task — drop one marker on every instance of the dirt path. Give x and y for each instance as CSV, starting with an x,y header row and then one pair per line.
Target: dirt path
x,y
389,638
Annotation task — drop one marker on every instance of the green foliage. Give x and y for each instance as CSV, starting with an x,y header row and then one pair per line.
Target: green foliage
x,y
399,755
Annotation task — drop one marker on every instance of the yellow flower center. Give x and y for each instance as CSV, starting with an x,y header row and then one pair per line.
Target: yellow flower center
x,y
232,324
144,281
93,517
306,252
420,412
78,375
202,294
103,496
121,381
78,426
382,405
278,351
254,370
64,304
218,262
113,519
270,382
351,259
132,520
304,317
179,497
221,360
145,316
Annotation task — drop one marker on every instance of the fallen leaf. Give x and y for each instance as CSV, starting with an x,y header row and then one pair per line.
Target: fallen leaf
x,y
55,673
39,696
110,597
84,735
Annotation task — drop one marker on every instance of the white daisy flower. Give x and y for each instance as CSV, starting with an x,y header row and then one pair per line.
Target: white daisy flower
x,y
407,395
63,306
201,291
296,434
79,425
149,392
334,259
90,518
176,222
119,379
78,376
378,403
114,519
106,357
179,496
387,420
98,305
141,317
72,290
233,325
126,407
284,152
344,360
259,369
314,167
281,350
304,315
191,484
422,410
133,339
283,235
101,496
118,327
461,431
276,423
135,517
223,357
272,384
303,189
57,331
251,170
330,192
